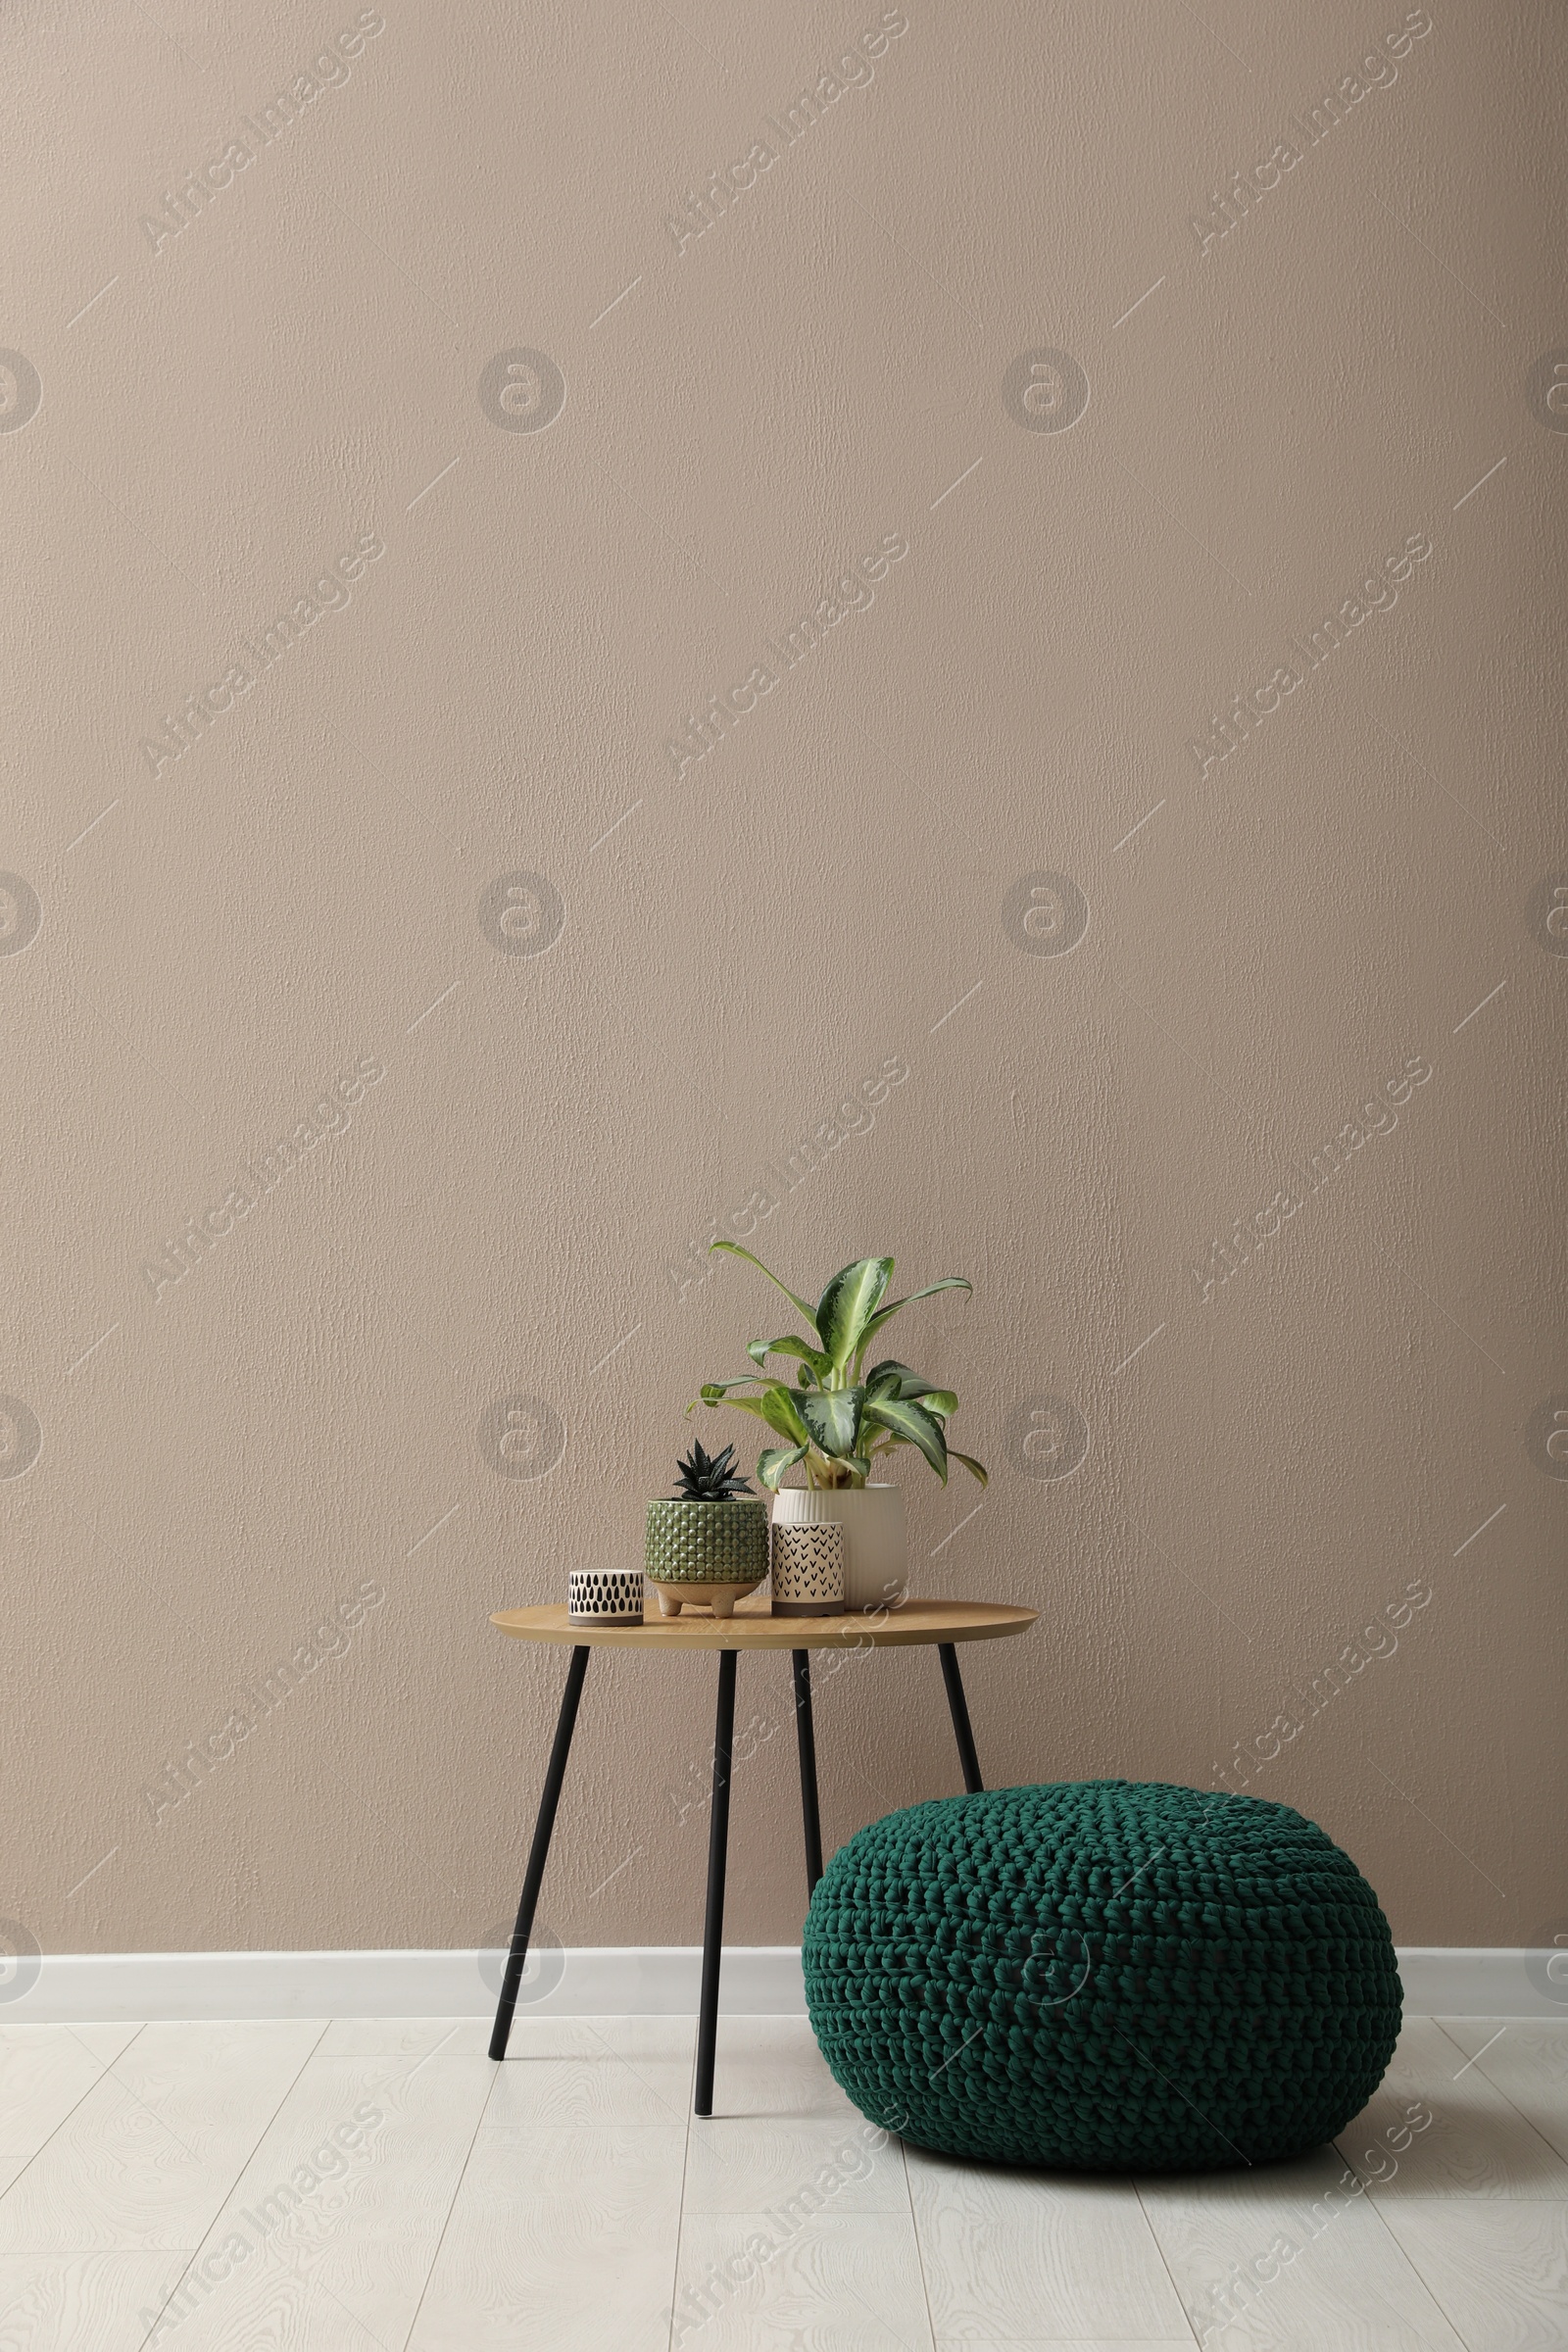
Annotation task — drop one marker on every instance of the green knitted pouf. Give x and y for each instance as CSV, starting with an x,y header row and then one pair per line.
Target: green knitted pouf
x,y
1103,1976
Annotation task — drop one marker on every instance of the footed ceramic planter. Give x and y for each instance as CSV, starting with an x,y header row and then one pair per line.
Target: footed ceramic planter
x,y
708,1553
875,1562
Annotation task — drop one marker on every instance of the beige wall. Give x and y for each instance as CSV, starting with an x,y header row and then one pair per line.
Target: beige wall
x,y
311,889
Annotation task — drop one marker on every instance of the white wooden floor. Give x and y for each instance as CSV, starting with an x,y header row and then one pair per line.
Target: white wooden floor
x,y
335,2187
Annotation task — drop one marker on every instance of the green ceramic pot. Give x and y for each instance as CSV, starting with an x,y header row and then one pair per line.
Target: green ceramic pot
x,y
707,1542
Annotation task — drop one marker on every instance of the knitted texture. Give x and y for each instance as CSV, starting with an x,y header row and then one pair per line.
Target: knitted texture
x,y
707,1542
1103,1976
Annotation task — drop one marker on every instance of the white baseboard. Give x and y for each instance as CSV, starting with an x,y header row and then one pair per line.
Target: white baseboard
x,y
615,1981
1456,1980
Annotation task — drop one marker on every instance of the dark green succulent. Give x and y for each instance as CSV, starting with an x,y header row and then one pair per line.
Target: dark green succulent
x,y
709,1477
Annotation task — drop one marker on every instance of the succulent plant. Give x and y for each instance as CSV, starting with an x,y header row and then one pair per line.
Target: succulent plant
x,y
838,1417
709,1477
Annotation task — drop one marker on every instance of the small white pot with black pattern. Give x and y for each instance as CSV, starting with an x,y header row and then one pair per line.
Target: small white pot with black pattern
x,y
605,1596
807,1570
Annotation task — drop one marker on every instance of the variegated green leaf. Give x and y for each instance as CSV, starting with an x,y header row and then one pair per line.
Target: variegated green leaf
x,y
890,1378
739,1405
781,1413
848,1304
774,1460
734,1249
913,1423
833,1417
761,1349
949,1281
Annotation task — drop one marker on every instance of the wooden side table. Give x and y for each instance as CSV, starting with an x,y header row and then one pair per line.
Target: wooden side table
x,y
944,1623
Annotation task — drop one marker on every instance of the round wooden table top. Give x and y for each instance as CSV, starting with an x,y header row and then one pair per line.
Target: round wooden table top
x,y
754,1627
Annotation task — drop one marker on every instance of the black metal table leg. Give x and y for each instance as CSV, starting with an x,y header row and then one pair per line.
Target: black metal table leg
x,y
538,1852
805,1735
959,1709
717,1853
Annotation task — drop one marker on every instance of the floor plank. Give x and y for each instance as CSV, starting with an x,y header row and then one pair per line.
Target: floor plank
x,y
562,2236
1015,2253
776,2283
365,2148
378,2186
328,2235
146,2158
83,2302
1499,2267
1436,2127
595,2071
104,2042
1291,2258
771,2066
741,2164
263,2295
1527,2058
406,2037
43,2074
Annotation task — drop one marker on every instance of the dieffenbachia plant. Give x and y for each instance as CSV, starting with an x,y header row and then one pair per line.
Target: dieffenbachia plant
x,y
837,1417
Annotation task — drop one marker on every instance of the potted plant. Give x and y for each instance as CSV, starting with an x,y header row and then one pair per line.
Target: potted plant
x,y
709,1540
839,1419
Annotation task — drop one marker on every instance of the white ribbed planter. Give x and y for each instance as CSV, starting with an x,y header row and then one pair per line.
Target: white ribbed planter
x,y
875,1560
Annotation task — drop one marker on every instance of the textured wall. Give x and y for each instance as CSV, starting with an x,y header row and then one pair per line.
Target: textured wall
x,y
448,883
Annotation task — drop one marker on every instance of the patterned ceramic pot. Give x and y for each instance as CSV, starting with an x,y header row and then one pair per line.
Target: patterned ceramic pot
x,y
807,1570
706,1551
605,1596
875,1564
